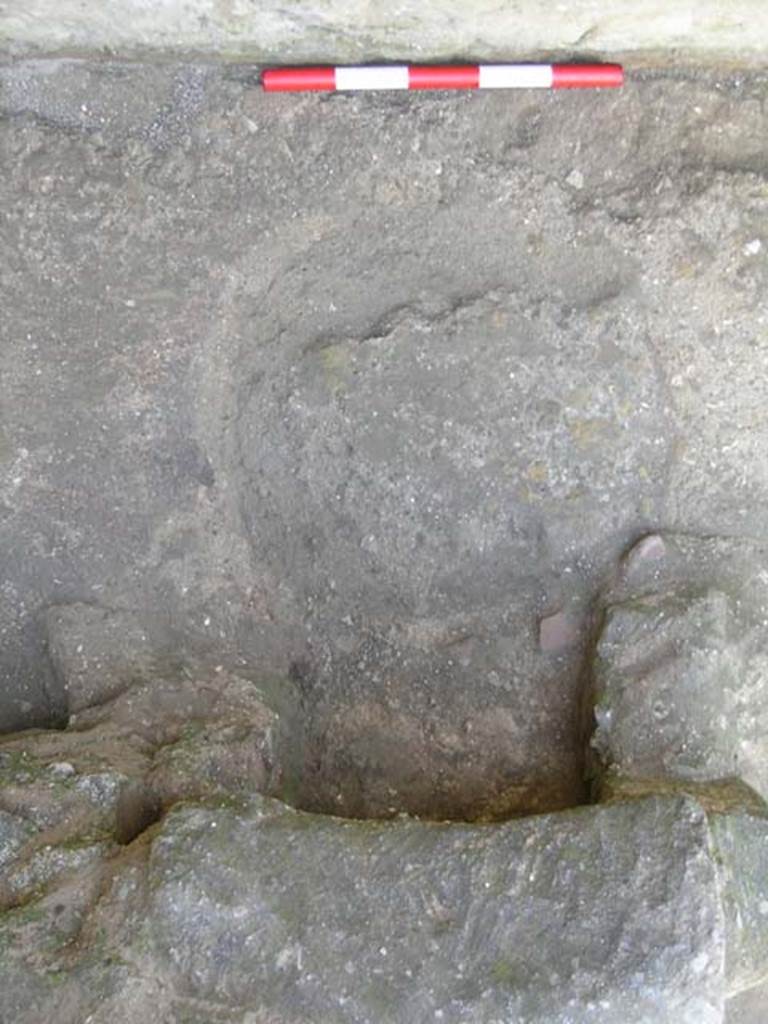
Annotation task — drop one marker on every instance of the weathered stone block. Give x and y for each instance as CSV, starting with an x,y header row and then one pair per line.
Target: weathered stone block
x,y
741,854
602,914
667,677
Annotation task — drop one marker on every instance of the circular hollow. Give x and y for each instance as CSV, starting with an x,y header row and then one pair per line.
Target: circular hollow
x,y
382,480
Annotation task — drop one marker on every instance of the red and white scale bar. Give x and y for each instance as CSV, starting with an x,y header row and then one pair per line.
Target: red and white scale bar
x,y
426,76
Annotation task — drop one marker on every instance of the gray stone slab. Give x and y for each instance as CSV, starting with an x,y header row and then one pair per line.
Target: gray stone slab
x,y
741,853
605,914
336,30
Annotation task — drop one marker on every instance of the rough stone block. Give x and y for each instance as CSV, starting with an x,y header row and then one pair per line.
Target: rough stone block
x,y
741,854
668,674
603,914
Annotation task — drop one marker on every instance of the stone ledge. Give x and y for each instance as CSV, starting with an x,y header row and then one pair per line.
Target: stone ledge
x,y
657,32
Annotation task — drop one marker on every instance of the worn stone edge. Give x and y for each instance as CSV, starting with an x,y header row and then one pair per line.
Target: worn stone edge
x,y
668,60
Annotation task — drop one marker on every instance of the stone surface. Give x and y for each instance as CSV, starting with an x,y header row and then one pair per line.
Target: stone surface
x,y
645,556
680,679
339,30
681,690
669,671
722,796
256,912
347,393
440,922
741,853
750,1007
79,804
67,798
96,652
14,833
129,890
22,881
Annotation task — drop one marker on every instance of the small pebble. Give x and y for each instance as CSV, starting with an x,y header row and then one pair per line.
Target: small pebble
x,y
753,248
62,769
647,550
557,632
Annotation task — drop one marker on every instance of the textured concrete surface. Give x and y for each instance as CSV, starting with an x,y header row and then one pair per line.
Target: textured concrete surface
x,y
669,31
346,394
